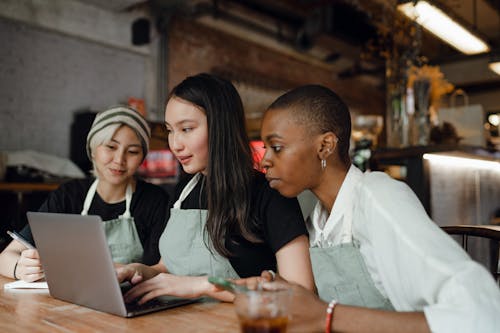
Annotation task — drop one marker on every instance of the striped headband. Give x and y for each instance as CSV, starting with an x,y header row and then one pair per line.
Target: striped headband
x,y
121,115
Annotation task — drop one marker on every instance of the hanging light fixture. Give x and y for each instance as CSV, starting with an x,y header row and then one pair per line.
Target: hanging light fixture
x,y
494,64
443,26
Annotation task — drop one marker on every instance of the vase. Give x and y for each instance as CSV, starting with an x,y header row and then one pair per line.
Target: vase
x,y
400,103
421,125
395,105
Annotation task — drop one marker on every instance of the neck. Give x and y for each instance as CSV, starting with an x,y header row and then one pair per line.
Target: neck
x,y
112,193
329,185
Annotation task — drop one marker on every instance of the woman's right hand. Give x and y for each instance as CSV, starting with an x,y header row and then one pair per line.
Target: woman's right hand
x,y
29,267
306,309
134,273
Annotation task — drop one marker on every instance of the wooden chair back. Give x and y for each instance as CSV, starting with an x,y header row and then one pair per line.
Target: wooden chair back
x,y
491,232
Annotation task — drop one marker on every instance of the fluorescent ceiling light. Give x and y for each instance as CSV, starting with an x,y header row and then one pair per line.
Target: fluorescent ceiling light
x,y
462,162
495,66
441,25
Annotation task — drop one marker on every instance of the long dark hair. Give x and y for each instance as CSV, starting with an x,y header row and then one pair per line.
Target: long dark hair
x,y
230,164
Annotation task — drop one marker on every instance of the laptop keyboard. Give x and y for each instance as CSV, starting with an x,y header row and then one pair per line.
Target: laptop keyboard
x,y
135,307
160,302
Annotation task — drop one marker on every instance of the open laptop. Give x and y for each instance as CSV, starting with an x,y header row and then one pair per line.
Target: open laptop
x,y
78,265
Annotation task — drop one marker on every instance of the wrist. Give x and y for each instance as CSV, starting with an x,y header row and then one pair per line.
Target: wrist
x,y
206,287
318,320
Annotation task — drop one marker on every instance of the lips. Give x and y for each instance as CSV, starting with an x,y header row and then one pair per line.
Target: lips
x,y
272,181
184,159
117,172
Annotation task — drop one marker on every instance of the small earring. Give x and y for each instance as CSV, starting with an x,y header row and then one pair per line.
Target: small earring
x,y
323,164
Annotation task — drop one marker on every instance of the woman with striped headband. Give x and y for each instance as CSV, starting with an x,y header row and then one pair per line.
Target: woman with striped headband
x,y
134,212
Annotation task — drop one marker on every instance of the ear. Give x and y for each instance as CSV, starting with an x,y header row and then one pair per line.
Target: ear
x,y
327,145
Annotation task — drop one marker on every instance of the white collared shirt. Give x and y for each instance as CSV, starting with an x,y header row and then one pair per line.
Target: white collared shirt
x,y
410,259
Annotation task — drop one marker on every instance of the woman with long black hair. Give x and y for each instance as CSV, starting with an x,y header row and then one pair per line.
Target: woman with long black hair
x,y
226,220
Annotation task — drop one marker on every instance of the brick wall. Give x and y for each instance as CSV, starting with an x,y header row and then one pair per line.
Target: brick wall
x,y
259,73
46,76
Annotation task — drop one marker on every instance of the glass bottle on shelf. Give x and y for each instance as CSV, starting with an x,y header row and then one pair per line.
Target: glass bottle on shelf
x,y
422,126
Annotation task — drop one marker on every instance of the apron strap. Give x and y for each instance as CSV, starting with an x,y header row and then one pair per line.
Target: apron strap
x,y
128,200
89,197
91,193
187,189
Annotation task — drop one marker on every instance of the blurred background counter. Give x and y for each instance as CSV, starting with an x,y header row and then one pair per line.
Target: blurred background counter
x,y
456,184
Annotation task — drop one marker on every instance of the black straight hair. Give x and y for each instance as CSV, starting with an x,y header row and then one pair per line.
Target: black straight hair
x,y
230,164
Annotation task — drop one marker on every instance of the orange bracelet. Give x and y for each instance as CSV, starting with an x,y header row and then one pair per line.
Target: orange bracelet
x,y
329,315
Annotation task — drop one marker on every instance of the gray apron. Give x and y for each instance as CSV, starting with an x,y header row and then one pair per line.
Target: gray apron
x,y
123,240
182,245
340,273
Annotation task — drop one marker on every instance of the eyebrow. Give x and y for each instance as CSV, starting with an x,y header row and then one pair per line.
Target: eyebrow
x,y
181,122
273,136
132,145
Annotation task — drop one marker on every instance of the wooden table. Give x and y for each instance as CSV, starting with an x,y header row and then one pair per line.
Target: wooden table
x,y
28,187
36,311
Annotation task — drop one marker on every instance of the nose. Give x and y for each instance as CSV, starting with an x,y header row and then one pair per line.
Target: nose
x,y
119,157
266,162
175,142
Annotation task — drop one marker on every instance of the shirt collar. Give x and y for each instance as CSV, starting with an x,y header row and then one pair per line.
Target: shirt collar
x,y
343,203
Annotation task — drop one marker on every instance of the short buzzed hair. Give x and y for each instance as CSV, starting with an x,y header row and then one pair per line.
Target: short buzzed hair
x,y
320,110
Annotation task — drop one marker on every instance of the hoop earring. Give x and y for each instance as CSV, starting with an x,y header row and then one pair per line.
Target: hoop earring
x,y
323,164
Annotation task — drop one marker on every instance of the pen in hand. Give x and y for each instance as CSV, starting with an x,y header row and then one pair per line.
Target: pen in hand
x,y
20,239
28,245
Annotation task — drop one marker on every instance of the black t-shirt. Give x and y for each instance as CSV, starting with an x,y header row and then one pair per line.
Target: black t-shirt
x,y
149,208
278,219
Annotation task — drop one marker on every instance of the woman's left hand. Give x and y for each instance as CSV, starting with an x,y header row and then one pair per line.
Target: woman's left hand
x,y
254,282
174,285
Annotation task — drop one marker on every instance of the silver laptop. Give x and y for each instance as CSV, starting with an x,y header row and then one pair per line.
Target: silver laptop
x,y
78,265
